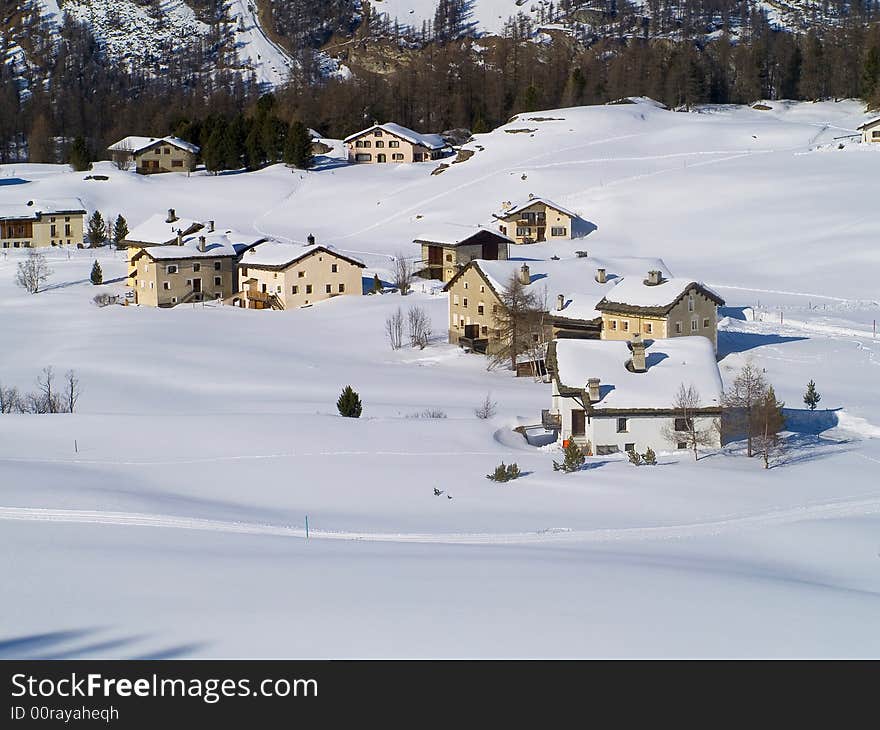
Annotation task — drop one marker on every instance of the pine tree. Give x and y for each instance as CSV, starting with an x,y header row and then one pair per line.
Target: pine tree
x,y
349,403
120,230
812,397
377,285
298,146
79,157
97,276
573,458
97,230
649,457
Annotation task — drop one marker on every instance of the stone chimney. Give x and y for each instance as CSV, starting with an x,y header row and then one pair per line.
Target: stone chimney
x,y
311,239
654,278
202,244
506,205
637,345
593,390
172,216
210,226
560,302
525,276
601,276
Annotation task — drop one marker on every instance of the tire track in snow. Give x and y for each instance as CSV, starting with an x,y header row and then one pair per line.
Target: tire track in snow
x,y
771,518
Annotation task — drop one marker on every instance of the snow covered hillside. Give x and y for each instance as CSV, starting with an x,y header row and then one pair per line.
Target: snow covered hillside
x,y
167,516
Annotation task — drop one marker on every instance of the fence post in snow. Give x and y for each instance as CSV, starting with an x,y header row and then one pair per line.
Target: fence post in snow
x,y
307,527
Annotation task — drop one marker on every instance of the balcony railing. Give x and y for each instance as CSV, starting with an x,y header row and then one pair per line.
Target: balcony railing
x,y
474,344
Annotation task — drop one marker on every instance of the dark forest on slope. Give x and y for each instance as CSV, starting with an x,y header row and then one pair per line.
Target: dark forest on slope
x,y
431,78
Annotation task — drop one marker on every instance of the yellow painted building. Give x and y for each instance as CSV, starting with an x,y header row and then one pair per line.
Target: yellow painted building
x,y
383,143
536,220
39,224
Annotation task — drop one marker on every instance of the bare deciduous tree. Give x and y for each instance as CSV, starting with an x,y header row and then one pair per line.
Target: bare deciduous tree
x,y
394,329
10,400
487,408
419,327
741,400
684,427
403,273
769,421
518,321
72,394
123,157
33,272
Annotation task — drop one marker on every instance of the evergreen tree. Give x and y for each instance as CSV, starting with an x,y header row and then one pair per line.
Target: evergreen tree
x,y
79,157
377,284
349,403
120,230
298,146
573,458
812,397
97,230
97,276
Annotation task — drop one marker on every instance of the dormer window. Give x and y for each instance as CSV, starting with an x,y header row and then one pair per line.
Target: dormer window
x,y
378,132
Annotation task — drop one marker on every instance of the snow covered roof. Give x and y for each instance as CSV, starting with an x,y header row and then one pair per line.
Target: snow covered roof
x,y
431,141
670,363
136,144
157,231
634,293
517,207
33,209
281,255
870,123
457,234
574,278
219,243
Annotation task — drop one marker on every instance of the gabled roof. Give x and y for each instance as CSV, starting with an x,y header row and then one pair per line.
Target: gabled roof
x,y
869,123
574,278
136,145
274,255
634,295
431,141
459,234
517,207
34,209
218,244
670,363
157,231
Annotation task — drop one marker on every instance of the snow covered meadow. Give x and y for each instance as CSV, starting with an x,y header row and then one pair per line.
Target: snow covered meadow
x,y
205,434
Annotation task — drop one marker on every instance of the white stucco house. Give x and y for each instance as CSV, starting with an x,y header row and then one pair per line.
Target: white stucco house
x,y
611,396
870,130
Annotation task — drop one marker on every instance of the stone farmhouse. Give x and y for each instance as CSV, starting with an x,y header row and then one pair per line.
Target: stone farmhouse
x,y
160,230
37,224
202,267
151,155
658,306
284,276
613,396
569,290
394,143
536,220
446,249
870,130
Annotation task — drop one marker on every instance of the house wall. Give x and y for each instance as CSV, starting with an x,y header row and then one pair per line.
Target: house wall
x,y
50,229
315,271
872,133
369,140
466,296
554,219
677,323
168,157
643,430
456,256
152,276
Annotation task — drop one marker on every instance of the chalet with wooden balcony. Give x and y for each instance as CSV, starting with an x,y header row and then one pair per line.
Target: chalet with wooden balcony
x,y
152,155
536,220
447,248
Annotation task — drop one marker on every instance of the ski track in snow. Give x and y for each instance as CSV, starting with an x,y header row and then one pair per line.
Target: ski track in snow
x,y
771,518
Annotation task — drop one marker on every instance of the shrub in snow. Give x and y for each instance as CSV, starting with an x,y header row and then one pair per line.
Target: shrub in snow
x,y
573,458
635,457
419,327
487,408
394,329
505,473
97,276
428,413
377,285
649,457
349,403
33,272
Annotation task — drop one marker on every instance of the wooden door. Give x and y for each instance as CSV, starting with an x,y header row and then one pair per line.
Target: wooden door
x,y
578,422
